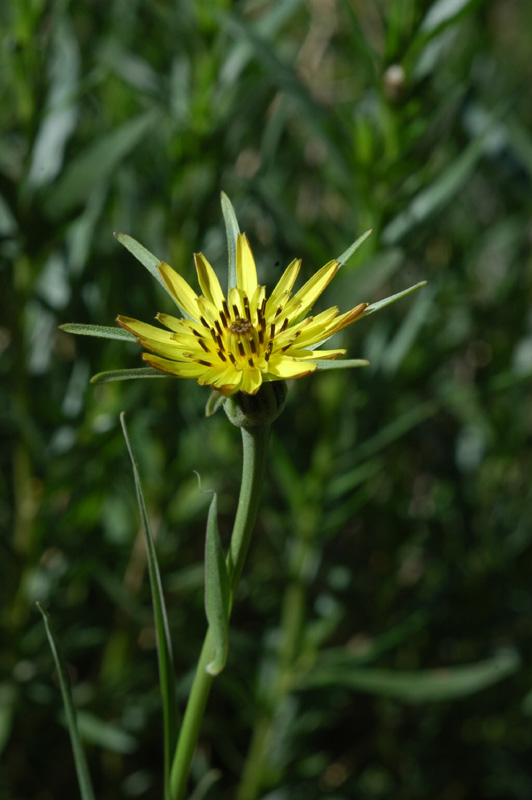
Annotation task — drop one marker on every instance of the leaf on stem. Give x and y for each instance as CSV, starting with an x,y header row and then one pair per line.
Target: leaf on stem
x,y
146,258
232,231
164,644
82,770
217,591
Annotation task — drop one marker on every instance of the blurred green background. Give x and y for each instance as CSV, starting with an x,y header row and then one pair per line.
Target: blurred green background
x,y
397,508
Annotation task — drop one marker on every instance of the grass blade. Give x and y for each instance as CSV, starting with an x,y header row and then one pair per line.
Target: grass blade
x,y
82,771
389,300
164,644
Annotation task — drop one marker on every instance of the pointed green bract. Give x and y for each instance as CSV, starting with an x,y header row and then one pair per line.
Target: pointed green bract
x,y
346,255
232,231
164,645
82,771
217,591
389,300
128,374
146,258
99,331
347,363
215,401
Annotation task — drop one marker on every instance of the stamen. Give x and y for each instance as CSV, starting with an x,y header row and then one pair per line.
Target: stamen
x,y
250,362
202,344
261,337
267,356
217,326
204,322
214,335
241,349
232,359
278,311
253,346
205,363
223,318
226,310
284,325
272,330
246,308
222,355
219,342
263,306
236,311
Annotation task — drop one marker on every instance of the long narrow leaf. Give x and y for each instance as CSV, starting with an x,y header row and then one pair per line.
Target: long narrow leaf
x,y
164,645
232,231
217,591
127,374
100,331
423,686
82,771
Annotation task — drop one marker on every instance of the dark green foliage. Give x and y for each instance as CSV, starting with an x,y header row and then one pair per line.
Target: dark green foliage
x,y
397,508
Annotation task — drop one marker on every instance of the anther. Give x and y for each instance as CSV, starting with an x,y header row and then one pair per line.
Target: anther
x,y
218,327
284,325
202,343
241,349
226,310
222,355
261,337
204,322
223,318
232,359
253,346
250,362
272,330
205,363
246,308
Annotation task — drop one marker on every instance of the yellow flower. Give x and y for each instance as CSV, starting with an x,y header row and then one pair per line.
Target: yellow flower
x,y
234,344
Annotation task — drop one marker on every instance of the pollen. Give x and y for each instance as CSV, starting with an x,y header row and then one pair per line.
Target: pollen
x,y
241,326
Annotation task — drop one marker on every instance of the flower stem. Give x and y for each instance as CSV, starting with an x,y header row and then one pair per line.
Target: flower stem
x,y
255,448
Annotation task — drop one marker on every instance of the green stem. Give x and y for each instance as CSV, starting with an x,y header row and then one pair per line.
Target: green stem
x,y
255,449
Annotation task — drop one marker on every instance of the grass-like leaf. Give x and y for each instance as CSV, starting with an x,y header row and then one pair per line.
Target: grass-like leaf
x,y
418,686
99,331
96,163
217,591
127,374
232,231
164,645
82,771
146,258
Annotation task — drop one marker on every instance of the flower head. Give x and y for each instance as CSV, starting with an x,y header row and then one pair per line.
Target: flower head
x,y
236,343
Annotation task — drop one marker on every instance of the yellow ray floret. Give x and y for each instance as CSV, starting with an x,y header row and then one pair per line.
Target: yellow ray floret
x,y
236,343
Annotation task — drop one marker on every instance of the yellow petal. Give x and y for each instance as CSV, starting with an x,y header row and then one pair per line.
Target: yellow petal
x,y
305,298
285,284
143,330
173,323
184,369
246,271
315,355
210,285
346,319
286,367
251,381
184,296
